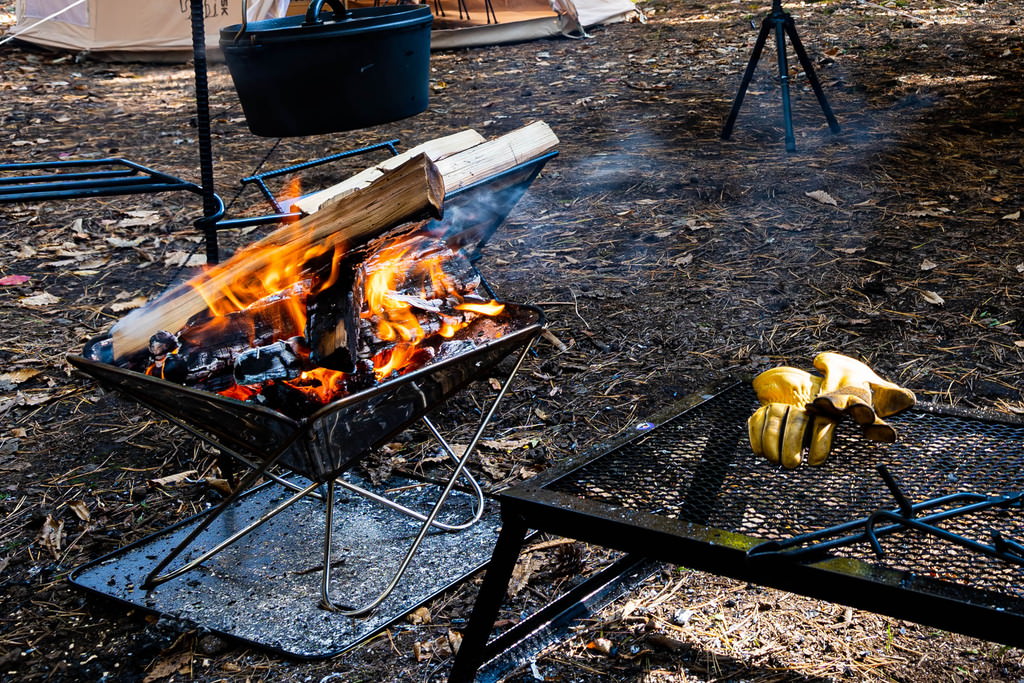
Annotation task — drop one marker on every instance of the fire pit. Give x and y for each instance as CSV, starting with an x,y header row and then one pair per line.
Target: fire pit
x,y
312,348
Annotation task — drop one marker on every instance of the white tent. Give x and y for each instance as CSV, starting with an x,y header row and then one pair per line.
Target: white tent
x,y
129,30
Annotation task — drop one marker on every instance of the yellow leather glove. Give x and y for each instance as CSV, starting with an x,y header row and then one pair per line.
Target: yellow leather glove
x,y
782,427
852,388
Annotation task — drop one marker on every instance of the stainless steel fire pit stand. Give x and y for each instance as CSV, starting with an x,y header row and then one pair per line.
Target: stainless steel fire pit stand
x,y
684,488
329,442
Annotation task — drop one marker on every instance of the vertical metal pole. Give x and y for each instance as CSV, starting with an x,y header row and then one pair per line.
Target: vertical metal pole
x,y
211,203
779,21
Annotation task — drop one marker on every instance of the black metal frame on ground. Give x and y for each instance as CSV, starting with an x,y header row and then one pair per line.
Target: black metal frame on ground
x,y
781,23
686,489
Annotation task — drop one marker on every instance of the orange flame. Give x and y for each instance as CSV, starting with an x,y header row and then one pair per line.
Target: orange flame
x,y
408,298
491,308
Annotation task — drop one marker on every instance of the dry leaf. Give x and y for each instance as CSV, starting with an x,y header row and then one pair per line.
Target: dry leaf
x,y
121,306
508,444
823,197
1019,343
419,616
172,479
139,218
183,258
121,243
80,509
938,212
1012,216
51,536
42,299
218,484
19,376
179,662
850,250
14,279
932,298
442,646
928,265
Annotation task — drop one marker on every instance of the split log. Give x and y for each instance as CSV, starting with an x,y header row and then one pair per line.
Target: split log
x,y
435,149
413,189
497,155
463,167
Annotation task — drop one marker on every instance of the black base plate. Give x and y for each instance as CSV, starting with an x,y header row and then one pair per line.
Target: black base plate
x,y
264,589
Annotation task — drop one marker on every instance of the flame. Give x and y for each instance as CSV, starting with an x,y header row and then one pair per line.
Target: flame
x,y
491,308
409,301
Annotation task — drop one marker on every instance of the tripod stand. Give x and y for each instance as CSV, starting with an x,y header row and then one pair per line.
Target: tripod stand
x,y
780,21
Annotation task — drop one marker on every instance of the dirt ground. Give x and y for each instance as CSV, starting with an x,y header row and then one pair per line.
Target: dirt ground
x,y
664,257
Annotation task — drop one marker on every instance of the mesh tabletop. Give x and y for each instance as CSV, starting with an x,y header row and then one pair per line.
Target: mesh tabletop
x,y
698,467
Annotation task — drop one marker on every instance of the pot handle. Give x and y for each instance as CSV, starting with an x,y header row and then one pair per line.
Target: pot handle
x,y
340,8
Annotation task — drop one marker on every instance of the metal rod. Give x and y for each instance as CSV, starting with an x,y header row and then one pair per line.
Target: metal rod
x,y
154,577
266,517
906,507
211,210
325,599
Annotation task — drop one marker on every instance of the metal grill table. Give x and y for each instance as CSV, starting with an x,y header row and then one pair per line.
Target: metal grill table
x,y
686,489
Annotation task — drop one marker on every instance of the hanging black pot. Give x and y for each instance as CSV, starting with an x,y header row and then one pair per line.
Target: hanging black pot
x,y
330,72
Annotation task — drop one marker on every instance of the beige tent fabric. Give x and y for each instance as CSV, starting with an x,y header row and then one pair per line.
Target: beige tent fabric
x,y
160,30
154,30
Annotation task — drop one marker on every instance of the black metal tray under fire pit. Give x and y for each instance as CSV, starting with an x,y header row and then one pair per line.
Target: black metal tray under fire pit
x,y
685,488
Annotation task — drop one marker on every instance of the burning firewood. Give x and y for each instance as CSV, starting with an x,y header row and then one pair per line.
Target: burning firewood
x,y
412,189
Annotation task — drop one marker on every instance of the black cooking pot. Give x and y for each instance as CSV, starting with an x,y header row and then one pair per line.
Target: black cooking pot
x,y
330,71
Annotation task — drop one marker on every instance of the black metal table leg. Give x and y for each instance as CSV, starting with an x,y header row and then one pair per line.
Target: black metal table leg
x,y
488,602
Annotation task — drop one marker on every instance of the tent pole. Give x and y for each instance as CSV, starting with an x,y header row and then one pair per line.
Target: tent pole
x,y
213,207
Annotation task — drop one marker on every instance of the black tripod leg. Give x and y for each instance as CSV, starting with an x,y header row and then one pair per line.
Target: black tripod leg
x,y
787,108
805,62
747,75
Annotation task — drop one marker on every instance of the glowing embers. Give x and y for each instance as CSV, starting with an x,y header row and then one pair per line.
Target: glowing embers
x,y
302,332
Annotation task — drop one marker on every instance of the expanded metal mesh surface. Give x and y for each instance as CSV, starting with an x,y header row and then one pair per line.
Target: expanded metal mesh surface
x,y
699,467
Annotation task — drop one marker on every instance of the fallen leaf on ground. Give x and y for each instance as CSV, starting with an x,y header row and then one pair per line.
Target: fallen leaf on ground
x,y
42,299
121,306
80,509
932,298
928,265
51,536
19,376
14,279
823,197
172,479
179,662
419,616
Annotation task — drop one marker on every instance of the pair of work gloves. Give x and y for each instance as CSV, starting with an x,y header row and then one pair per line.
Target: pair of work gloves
x,y
799,411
